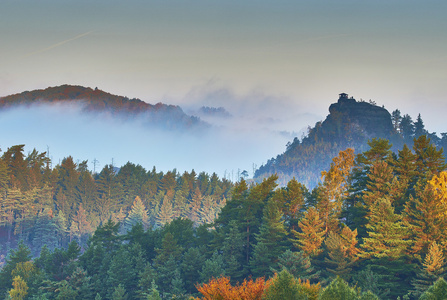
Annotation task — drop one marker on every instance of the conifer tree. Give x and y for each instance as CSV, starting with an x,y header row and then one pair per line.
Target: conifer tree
x,y
119,293
233,252
437,291
284,286
109,193
387,234
208,210
339,261
137,215
191,265
272,235
426,218
165,214
295,195
195,206
297,264
80,227
432,269
44,231
338,289
311,235
212,268
66,186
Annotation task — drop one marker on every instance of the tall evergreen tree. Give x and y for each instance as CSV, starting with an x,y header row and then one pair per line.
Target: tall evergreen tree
x,y
137,214
311,235
272,235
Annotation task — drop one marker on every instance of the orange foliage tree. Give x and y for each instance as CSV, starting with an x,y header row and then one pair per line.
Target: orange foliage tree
x,y
221,289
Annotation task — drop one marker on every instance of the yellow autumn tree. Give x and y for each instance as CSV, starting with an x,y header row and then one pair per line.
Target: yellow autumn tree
x,y
439,185
19,290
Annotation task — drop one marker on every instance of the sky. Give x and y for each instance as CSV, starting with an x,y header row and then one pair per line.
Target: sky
x,y
276,66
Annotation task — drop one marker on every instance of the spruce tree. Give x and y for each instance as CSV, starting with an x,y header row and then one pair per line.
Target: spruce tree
x,y
272,236
297,264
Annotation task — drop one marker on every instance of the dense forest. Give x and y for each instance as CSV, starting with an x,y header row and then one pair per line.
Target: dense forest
x,y
350,124
373,228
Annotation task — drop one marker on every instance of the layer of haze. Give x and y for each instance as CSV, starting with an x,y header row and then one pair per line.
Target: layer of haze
x,y
271,64
64,129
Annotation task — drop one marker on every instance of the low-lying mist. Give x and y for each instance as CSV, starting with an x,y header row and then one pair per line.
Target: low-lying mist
x,y
226,147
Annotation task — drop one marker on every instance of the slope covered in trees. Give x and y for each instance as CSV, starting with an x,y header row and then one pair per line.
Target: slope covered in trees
x,y
376,221
97,101
350,123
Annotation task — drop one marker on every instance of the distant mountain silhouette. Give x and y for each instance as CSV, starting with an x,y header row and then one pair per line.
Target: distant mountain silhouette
x,y
98,101
350,123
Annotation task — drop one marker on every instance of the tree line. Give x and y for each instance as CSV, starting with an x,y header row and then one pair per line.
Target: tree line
x,y
373,228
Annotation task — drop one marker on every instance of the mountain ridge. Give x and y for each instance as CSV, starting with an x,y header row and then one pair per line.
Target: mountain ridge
x,y
95,100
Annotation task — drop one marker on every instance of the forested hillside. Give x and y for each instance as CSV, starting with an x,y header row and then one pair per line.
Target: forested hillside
x,y
96,101
376,221
350,123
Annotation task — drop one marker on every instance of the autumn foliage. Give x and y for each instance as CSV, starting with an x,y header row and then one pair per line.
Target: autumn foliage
x,y
221,289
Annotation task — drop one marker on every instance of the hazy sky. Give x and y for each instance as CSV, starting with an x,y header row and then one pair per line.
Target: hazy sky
x,y
281,61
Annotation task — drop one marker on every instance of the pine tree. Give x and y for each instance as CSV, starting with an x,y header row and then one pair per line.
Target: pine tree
x,y
284,286
419,127
165,214
426,218
212,268
109,193
387,232
297,264
66,186
338,289
191,265
80,227
272,235
339,261
437,291
432,269
137,215
295,195
311,235
429,160
195,205
207,211
19,255
336,180
44,231
407,128
233,252
119,293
